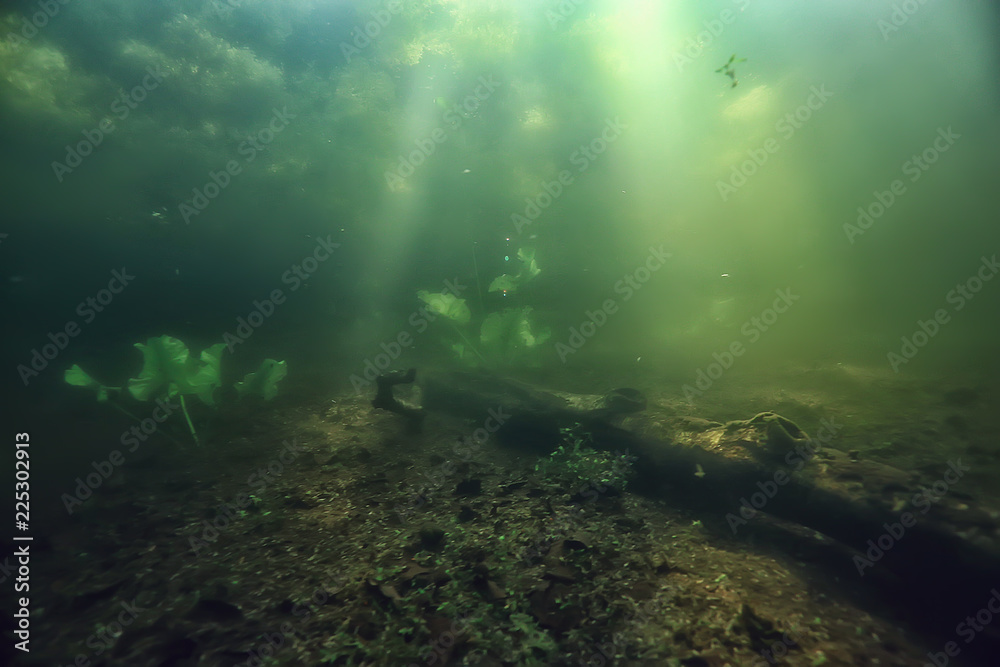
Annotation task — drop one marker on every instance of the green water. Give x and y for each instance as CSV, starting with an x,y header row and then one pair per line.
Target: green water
x,y
745,140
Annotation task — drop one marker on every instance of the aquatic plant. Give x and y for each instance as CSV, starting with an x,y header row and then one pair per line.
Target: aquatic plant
x,y
504,335
170,371
508,284
729,69
577,466
264,381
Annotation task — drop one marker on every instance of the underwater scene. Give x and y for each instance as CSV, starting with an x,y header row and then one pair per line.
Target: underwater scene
x,y
500,333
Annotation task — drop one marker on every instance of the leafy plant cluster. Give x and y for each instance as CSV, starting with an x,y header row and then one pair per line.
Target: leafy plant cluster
x,y
505,336
170,371
575,464
449,585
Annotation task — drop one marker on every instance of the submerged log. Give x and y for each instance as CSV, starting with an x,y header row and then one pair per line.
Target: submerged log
x,y
940,550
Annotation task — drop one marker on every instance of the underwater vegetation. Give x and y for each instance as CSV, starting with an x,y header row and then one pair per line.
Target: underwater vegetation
x,y
506,336
729,68
169,371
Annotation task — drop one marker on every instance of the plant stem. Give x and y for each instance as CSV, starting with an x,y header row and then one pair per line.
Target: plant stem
x,y
479,287
139,421
471,346
188,418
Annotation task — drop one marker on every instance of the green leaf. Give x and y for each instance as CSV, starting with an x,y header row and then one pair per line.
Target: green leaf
x,y
264,381
168,369
77,377
493,332
209,376
729,63
529,269
526,336
510,329
163,359
446,304
504,283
